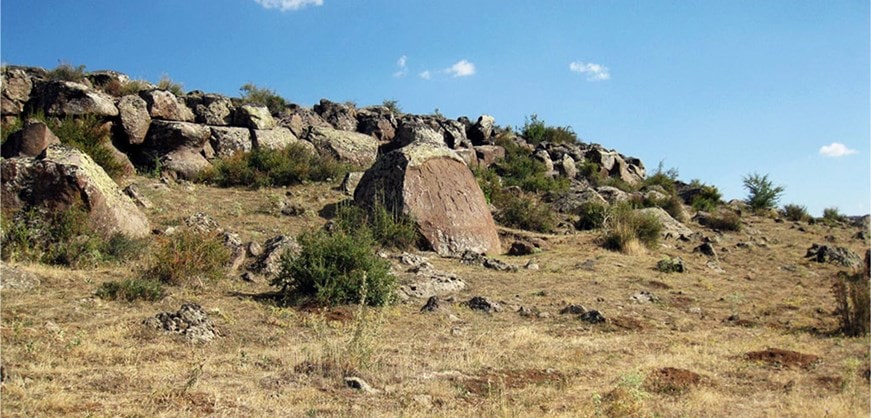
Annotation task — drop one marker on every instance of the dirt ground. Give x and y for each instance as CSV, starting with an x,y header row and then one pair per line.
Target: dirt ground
x,y
751,336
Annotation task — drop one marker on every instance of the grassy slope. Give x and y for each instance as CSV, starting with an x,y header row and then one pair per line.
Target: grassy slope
x,y
67,352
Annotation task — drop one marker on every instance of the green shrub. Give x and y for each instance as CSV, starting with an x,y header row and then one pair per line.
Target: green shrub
x,y
662,178
521,169
266,167
10,127
264,97
833,216
670,265
187,257
525,212
334,269
707,199
389,230
761,192
673,205
90,135
169,85
131,290
626,230
592,216
393,107
489,182
795,213
853,304
66,72
535,131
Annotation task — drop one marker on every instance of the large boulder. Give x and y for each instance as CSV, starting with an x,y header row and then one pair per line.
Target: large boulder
x,y
184,163
254,117
164,105
412,129
135,118
489,155
227,141
30,141
482,130
278,139
210,109
166,136
63,177
67,98
377,121
15,88
431,183
671,228
351,147
340,116
300,119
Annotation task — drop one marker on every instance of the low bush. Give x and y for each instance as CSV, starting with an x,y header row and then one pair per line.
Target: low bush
x,y
673,205
591,215
535,131
67,72
336,268
187,257
853,304
266,167
795,213
90,135
724,221
525,211
131,290
252,94
389,230
662,178
707,199
833,216
627,230
169,85
521,169
393,107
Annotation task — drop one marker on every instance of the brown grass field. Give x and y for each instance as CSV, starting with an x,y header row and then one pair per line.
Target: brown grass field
x,y
66,352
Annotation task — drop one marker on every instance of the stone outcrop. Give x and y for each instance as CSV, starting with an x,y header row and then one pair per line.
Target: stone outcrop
x,y
15,88
431,183
164,105
135,119
210,109
351,147
482,130
670,227
227,141
340,116
254,117
67,98
62,177
278,139
30,141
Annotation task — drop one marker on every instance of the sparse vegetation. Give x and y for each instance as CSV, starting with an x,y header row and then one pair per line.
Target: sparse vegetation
x,y
536,131
389,230
853,304
91,136
521,169
252,94
524,211
10,127
131,290
795,213
266,167
724,220
67,72
393,106
133,87
662,178
592,215
336,268
186,258
762,194
832,216
627,230
707,199
169,85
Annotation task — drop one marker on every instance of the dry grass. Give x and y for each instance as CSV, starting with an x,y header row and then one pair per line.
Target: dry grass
x,y
67,352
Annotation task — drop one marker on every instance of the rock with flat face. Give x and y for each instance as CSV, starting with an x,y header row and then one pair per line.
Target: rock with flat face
x,y
351,147
279,139
671,228
62,177
168,136
164,105
30,141
482,130
185,163
254,117
135,118
341,116
211,109
15,89
431,183
300,119
227,141
67,98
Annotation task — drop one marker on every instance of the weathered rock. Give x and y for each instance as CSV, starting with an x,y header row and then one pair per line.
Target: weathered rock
x,y
454,134
164,105
359,384
254,249
67,98
670,227
833,255
671,265
15,89
233,243
378,122
185,163
211,109
428,282
202,223
576,198
227,141
62,177
522,248
614,165
573,309
542,156
350,182
133,192
612,194
135,118
410,130
643,297
431,183
254,117
707,249
278,139
351,147
299,120
340,116
269,263
473,258
480,303
17,279
432,304
482,130
566,167
489,154
191,321
30,141
593,317
469,156
166,136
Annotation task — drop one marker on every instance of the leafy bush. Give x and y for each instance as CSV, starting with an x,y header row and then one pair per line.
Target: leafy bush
x,y
853,304
336,268
833,216
90,135
535,131
393,107
66,72
525,212
795,213
626,229
390,230
592,216
169,85
264,97
521,169
266,167
61,237
187,257
131,290
707,199
762,193
662,178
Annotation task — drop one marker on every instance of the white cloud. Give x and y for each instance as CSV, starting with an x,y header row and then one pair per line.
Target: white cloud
x,y
402,63
594,72
462,68
836,149
285,5
426,75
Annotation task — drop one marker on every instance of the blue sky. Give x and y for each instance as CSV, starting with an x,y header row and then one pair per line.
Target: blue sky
x,y
716,89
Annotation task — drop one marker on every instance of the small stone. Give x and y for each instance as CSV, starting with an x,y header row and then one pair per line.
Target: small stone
x,y
432,304
254,249
643,297
480,303
531,265
573,309
707,249
521,248
359,384
593,317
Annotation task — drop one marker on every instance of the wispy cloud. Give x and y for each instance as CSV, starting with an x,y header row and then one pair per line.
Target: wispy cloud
x,y
402,63
426,75
836,149
462,68
285,5
594,72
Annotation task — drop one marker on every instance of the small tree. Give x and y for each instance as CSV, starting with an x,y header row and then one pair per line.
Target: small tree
x,y
761,192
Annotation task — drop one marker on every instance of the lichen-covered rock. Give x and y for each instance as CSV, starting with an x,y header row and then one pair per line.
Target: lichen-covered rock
x,y
431,183
269,263
671,228
191,321
300,119
210,109
227,141
254,117
340,116
278,139
164,105
166,136
351,147
62,177
185,163
67,98
15,89
135,118
489,155
378,122
833,255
